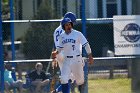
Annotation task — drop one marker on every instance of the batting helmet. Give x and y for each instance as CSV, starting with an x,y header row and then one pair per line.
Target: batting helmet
x,y
70,15
66,20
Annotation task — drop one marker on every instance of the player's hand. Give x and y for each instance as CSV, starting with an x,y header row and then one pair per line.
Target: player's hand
x,y
54,63
54,53
90,60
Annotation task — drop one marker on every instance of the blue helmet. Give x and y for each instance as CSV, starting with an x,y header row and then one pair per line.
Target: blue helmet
x,y
70,15
64,21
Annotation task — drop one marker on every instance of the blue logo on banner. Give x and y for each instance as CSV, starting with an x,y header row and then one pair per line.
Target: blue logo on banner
x,y
131,32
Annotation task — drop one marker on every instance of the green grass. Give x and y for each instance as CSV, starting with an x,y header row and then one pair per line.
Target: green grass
x,y
122,85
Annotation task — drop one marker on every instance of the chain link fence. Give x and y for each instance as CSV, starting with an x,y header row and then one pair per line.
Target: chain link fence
x,y
34,43
37,43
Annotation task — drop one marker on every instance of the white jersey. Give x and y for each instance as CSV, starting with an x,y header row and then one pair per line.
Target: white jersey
x,y
72,43
56,35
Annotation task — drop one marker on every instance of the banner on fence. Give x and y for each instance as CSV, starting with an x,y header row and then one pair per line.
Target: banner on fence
x,y
127,34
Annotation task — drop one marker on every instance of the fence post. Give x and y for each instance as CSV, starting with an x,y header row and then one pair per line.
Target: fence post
x,y
12,32
1,54
136,75
86,76
129,64
111,72
12,39
84,33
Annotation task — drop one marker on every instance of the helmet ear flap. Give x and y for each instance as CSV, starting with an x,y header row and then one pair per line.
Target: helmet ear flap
x,y
63,27
71,24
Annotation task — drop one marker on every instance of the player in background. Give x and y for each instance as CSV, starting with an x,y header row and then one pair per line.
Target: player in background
x,y
59,57
71,43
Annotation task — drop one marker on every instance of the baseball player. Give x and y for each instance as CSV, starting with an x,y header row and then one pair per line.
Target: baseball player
x,y
56,35
59,57
71,42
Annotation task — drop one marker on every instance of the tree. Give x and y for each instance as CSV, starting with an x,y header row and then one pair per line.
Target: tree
x,y
5,16
38,40
5,9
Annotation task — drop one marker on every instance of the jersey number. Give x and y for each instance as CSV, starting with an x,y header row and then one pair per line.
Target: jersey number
x,y
58,34
73,47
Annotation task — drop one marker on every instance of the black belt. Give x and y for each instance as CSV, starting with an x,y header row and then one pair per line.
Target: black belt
x,y
72,56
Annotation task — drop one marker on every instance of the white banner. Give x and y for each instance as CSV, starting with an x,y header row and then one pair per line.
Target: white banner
x,y
126,35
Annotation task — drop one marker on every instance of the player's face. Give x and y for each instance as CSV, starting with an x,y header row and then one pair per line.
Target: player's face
x,y
68,27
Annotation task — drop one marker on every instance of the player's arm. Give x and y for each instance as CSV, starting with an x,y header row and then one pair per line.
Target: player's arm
x,y
88,50
55,42
58,50
56,36
54,53
86,45
54,62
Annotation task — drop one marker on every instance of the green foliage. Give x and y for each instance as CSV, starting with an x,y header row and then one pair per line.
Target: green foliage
x,y
44,12
5,1
5,9
38,40
5,16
